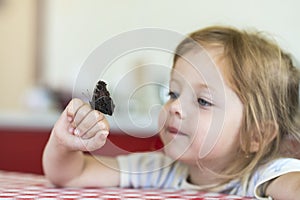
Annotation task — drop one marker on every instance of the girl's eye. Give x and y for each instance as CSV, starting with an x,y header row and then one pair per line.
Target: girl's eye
x,y
204,103
173,95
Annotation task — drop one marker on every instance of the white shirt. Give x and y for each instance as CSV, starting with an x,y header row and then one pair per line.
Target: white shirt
x,y
155,170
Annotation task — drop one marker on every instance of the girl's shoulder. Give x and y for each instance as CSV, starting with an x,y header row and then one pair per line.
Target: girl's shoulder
x,y
271,170
279,166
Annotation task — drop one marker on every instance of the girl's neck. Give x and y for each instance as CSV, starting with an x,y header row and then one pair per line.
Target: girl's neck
x,y
201,177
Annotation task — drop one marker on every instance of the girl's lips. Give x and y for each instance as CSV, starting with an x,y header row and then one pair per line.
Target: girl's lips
x,y
174,130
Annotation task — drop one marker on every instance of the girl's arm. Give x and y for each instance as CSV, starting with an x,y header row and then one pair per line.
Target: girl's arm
x,y
79,129
286,186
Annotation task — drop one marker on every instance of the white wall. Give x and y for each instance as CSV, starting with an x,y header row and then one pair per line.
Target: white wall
x,y
74,28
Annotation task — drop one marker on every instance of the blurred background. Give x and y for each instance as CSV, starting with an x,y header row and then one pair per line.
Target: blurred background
x,y
45,44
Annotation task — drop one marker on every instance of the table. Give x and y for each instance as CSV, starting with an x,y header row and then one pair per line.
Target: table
x,y
16,185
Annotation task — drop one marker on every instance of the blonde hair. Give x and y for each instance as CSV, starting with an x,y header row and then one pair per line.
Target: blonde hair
x,y
267,83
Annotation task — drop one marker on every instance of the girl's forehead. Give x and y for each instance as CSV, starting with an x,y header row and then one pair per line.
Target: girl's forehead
x,y
199,66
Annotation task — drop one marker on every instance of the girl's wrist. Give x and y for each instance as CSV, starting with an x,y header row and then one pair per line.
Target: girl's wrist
x,y
59,143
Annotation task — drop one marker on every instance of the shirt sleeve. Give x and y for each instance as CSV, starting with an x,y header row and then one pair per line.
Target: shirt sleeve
x,y
273,170
146,170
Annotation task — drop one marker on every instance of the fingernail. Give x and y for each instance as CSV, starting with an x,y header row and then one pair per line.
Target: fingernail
x,y
70,119
76,132
71,129
104,136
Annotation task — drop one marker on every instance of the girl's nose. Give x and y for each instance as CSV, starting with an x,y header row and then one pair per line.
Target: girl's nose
x,y
176,109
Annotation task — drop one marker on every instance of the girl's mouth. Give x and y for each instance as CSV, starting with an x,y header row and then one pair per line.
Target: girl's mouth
x,y
175,131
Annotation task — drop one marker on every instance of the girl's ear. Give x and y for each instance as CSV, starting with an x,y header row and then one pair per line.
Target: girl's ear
x,y
254,144
264,135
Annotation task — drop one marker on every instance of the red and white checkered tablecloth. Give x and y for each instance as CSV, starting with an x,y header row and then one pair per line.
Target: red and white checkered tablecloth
x,y
15,185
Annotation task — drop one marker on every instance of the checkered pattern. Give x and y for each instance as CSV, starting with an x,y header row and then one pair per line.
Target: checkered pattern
x,y
15,185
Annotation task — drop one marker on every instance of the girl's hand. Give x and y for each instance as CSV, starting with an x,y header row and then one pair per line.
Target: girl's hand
x,y
80,128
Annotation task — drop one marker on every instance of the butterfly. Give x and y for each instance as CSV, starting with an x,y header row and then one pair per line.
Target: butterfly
x,y
101,99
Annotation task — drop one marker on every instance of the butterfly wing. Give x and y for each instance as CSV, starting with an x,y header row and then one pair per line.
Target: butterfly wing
x,y
101,99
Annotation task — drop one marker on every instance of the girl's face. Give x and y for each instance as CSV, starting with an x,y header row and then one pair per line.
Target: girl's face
x,y
201,120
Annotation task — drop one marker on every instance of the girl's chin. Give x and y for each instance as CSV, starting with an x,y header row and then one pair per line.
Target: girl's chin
x,y
173,153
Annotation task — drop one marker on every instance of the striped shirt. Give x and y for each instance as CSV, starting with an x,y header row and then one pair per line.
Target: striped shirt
x,y
155,170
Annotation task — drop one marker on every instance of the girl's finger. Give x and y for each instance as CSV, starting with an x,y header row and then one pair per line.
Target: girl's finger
x,y
98,127
82,112
92,119
91,144
73,107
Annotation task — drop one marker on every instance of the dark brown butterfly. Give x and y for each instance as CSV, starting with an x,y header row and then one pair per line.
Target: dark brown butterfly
x,y
101,99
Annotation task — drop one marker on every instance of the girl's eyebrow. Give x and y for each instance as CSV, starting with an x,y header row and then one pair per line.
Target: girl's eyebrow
x,y
202,86
206,87
174,80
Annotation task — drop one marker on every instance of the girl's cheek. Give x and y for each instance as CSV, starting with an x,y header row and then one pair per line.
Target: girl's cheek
x,y
162,117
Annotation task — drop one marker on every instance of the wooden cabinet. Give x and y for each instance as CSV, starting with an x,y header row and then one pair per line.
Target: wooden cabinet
x,y
18,39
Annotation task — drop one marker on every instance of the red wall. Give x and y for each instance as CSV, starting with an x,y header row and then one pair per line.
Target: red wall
x,y
21,149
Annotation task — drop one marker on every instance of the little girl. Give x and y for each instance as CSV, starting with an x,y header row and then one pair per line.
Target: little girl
x,y
233,105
